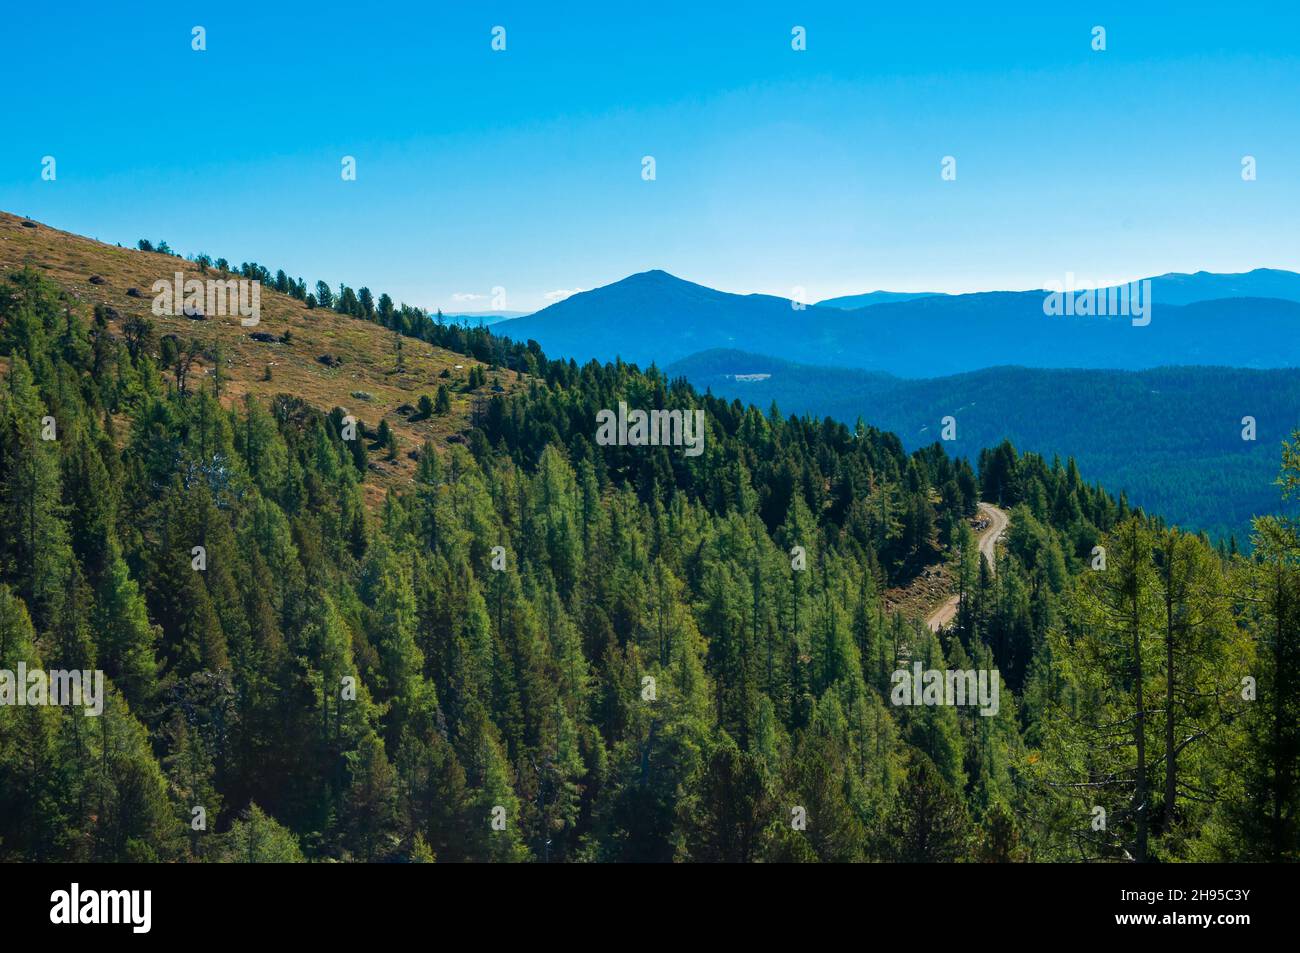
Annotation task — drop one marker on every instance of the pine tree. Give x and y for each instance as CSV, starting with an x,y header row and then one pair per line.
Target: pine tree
x,y
257,839
930,823
371,805
35,555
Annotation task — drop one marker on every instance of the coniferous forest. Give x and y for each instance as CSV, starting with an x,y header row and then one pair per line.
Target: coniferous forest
x,y
546,649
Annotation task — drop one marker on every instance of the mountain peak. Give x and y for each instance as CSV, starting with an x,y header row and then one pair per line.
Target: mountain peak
x,y
656,277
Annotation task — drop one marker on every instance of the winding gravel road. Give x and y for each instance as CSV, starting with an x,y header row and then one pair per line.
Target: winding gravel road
x,y
998,521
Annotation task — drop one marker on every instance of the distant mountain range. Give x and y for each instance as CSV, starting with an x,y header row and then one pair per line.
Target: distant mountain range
x,y
1247,320
1172,288
475,319
1154,411
1176,288
1171,437
853,302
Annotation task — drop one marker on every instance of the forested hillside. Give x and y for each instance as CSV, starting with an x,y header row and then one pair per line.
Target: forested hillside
x,y
1170,438
541,648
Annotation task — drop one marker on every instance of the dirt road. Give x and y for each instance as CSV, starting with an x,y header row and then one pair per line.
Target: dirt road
x,y
998,520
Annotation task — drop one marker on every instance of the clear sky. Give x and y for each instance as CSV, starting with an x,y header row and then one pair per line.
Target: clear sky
x,y
775,169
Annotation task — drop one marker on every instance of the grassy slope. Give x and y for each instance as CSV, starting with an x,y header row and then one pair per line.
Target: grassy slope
x,y
365,348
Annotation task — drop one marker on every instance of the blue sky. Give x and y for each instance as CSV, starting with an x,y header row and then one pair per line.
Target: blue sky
x,y
775,169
